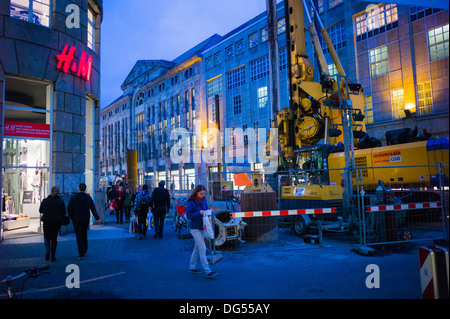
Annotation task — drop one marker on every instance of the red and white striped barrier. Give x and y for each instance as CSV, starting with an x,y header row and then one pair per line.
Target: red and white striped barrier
x,y
386,208
427,273
292,212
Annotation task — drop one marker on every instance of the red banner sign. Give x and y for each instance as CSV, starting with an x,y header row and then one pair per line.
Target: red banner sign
x,y
23,129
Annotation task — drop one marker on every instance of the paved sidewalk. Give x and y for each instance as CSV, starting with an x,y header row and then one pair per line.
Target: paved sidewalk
x,y
117,265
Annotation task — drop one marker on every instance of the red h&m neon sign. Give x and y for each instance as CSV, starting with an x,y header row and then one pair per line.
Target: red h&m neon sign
x,y
82,69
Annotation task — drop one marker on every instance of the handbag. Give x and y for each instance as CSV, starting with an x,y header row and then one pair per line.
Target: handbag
x,y
133,226
66,220
207,224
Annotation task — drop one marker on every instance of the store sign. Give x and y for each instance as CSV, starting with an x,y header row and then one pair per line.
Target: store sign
x,y
23,129
81,69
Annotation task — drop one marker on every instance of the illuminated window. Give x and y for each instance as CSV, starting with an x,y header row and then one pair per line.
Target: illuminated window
x,y
264,34
378,61
262,96
236,78
333,71
438,44
281,26
334,3
214,86
259,68
360,23
398,103
91,29
35,11
375,20
253,40
369,109
424,98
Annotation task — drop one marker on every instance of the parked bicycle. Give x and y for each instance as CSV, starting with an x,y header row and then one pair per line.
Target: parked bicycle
x,y
29,273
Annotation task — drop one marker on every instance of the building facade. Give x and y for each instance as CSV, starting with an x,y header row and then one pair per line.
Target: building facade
x,y
221,83
49,101
398,53
158,97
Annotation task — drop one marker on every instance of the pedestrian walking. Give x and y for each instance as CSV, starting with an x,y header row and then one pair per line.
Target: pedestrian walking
x,y
53,211
112,195
127,204
195,208
160,205
80,208
141,207
120,204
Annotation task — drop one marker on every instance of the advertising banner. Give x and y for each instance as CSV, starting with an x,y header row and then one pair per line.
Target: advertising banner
x,y
23,129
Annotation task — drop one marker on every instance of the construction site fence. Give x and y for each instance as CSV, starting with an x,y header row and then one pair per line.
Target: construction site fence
x,y
398,212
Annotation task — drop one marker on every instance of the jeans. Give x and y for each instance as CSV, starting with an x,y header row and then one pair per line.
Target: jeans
x,y
199,249
81,228
159,215
142,222
119,215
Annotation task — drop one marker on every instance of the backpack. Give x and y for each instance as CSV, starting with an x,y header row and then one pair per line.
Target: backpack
x,y
144,204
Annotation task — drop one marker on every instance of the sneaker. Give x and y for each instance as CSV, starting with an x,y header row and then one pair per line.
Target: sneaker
x,y
195,271
81,257
211,275
140,237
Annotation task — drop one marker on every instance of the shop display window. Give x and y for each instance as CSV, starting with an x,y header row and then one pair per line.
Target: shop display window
x,y
26,145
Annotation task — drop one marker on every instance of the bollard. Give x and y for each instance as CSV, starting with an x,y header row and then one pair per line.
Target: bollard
x,y
433,262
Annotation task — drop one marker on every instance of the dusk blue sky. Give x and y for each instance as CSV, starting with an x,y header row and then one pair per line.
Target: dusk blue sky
x,y
155,29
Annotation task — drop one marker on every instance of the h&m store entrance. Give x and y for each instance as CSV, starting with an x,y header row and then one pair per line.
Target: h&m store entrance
x,y
26,153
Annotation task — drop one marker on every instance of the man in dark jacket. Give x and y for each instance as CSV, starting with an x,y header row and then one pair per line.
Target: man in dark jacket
x,y
141,206
160,204
53,211
79,208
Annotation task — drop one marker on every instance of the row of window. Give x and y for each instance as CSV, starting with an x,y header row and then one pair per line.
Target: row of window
x,y
337,36
424,102
438,48
238,47
39,12
259,69
262,96
174,80
375,20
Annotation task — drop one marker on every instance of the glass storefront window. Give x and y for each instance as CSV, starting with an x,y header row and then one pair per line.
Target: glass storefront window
x,y
26,145
25,153
90,156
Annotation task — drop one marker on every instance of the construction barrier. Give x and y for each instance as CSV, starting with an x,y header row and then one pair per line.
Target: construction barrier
x,y
286,212
396,212
386,208
304,203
